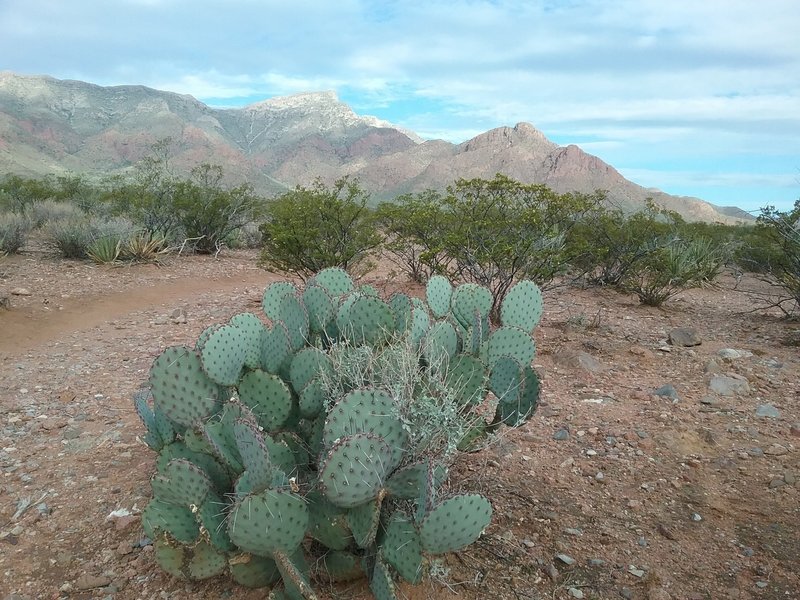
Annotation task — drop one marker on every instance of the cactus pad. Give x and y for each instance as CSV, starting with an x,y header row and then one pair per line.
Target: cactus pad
x,y
295,317
273,296
420,322
366,410
210,466
181,482
312,398
354,470
307,364
438,292
402,549
363,521
440,344
407,482
522,307
253,571
253,332
369,321
455,523
267,522
181,390
381,582
224,353
505,380
339,566
160,431
515,411
466,377
327,523
509,341
212,514
268,397
470,299
401,307
276,348
254,453
336,281
320,306
205,562
177,521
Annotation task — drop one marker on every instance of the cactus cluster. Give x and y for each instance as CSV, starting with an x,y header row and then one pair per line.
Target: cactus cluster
x,y
277,468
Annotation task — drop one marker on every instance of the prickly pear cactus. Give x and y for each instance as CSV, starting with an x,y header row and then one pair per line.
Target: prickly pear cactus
x,y
312,442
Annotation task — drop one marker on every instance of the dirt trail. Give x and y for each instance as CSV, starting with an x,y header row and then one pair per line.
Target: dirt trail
x,y
30,326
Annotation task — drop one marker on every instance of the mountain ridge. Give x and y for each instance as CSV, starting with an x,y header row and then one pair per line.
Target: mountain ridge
x,y
49,125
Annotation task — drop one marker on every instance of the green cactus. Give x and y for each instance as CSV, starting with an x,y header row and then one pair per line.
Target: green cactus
x,y
454,523
438,292
354,469
323,427
522,307
181,390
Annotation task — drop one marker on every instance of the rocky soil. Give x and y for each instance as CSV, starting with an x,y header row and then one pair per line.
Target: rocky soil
x,y
652,469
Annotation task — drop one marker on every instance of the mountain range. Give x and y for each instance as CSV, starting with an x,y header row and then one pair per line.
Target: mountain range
x,y
51,126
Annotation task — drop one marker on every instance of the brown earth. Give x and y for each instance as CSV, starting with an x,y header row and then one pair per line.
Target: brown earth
x,y
651,498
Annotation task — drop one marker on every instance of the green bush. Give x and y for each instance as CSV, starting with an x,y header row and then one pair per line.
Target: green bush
x,y
309,229
71,237
42,212
501,230
318,449
14,230
415,226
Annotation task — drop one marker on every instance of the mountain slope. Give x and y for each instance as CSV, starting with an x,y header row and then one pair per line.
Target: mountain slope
x,y
58,126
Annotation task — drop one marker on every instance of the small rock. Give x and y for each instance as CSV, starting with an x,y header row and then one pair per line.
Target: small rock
x,y
578,360
761,584
685,336
552,573
726,385
666,531
642,541
789,478
528,543
636,572
696,517
748,552
573,532
575,592
178,316
731,354
794,429
596,562
712,366
776,483
20,291
667,391
90,582
566,559
756,452
776,450
626,593
768,411
561,435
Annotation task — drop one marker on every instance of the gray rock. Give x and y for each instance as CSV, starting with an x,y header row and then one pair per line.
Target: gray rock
x,y
667,391
726,385
776,483
575,592
596,562
756,452
566,559
768,411
731,354
573,531
178,316
20,291
561,435
90,582
636,572
685,336
776,450
626,593
790,478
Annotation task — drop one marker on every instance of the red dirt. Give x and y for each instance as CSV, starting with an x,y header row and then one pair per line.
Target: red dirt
x,y
73,352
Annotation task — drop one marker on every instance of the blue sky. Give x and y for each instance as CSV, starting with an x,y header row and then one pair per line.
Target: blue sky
x,y
694,97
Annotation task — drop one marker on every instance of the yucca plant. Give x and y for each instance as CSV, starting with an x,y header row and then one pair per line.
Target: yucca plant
x,y
105,250
145,247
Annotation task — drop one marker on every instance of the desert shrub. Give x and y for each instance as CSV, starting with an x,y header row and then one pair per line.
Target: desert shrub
x,y
42,212
608,244
207,212
772,250
309,229
501,230
105,250
671,266
415,226
295,444
70,237
14,230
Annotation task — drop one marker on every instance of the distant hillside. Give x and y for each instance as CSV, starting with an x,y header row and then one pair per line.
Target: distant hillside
x,y
57,126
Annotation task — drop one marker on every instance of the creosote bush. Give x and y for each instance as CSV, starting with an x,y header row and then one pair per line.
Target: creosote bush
x,y
14,230
318,448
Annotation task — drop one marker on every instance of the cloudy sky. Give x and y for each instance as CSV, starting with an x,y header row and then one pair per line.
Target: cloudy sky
x,y
694,97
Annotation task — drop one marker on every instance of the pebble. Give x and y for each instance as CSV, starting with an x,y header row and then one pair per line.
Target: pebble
x,y
561,435
726,385
566,559
596,562
573,531
761,584
636,572
667,391
776,450
768,411
696,517
575,592
685,336
626,593
90,582
20,291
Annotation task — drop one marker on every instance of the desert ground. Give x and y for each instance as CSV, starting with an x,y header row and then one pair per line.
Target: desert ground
x,y
610,491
